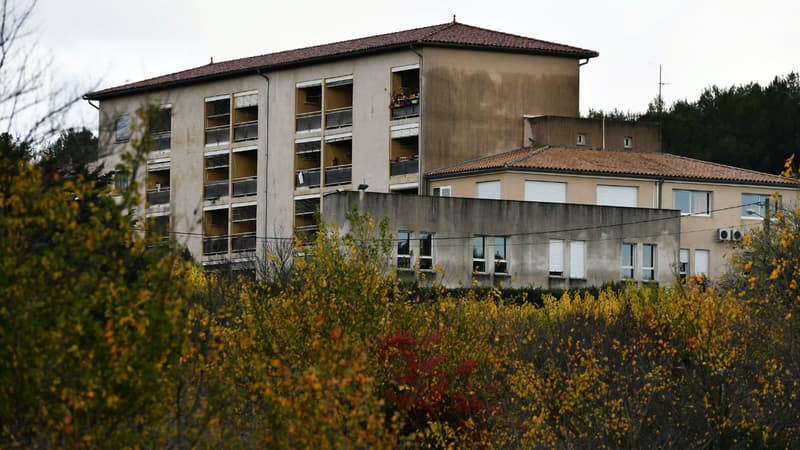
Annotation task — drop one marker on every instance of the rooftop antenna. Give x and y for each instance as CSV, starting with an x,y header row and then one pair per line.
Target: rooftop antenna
x,y
454,18
212,60
660,99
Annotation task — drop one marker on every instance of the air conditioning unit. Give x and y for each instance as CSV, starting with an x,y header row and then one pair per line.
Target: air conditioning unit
x,y
725,234
737,235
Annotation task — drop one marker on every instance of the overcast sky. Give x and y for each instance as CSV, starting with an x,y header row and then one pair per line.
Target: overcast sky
x,y
699,43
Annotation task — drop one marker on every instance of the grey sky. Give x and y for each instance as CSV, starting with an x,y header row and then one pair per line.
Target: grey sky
x,y
699,43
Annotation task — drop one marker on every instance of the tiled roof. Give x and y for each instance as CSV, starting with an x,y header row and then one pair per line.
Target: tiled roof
x,y
452,34
608,162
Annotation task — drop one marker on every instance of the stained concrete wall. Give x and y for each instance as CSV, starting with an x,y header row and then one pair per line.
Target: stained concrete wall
x,y
473,101
598,133
529,227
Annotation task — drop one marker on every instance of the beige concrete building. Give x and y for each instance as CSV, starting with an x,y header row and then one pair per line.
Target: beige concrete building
x,y
245,150
592,161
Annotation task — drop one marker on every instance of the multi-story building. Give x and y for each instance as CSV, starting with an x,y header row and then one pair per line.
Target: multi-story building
x,y
249,147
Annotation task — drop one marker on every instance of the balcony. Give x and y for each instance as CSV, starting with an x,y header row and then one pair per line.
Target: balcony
x,y
158,196
405,107
244,213
245,131
340,117
307,178
161,141
244,186
244,242
341,174
218,135
215,245
404,165
216,189
309,121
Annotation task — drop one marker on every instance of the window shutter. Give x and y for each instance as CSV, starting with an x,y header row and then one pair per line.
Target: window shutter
x,y
545,191
617,196
489,190
701,258
556,256
577,255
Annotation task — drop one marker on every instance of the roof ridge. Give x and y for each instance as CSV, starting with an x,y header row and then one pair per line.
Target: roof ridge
x,y
440,28
519,36
523,156
477,159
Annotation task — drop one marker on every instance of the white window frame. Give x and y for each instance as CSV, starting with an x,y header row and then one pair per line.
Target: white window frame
x,y
757,207
555,260
580,139
403,259
476,261
628,271
425,258
577,260
683,263
692,201
627,142
488,190
545,191
442,191
649,267
500,242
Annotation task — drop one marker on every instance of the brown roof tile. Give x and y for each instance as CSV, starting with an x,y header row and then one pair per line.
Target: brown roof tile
x,y
452,34
608,162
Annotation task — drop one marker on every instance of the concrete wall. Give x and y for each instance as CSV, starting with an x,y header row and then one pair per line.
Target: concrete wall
x,y
473,101
529,227
552,130
697,232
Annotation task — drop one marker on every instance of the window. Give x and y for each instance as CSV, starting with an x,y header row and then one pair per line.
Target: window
x,y
627,260
489,190
500,261
556,262
701,258
403,250
627,142
425,250
218,120
122,128
648,262
683,263
545,191
121,181
441,191
580,139
245,116
577,258
617,196
692,202
478,255
161,128
753,205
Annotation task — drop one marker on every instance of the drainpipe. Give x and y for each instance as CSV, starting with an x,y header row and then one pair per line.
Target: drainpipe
x,y
604,132
420,188
266,153
91,104
659,189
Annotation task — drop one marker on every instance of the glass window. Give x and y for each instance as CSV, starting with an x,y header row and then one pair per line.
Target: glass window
x,y
500,261
442,191
478,255
403,250
556,263
627,260
648,262
692,202
753,205
425,251
683,263
122,128
577,258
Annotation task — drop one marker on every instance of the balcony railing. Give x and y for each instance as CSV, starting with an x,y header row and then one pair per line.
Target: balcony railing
x,y
218,135
309,121
216,189
244,186
342,174
406,107
307,178
215,245
403,166
244,213
245,131
337,118
244,242
158,196
161,141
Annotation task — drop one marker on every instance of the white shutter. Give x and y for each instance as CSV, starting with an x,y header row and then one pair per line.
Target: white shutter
x,y
545,191
701,258
577,254
556,256
243,101
617,196
489,190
